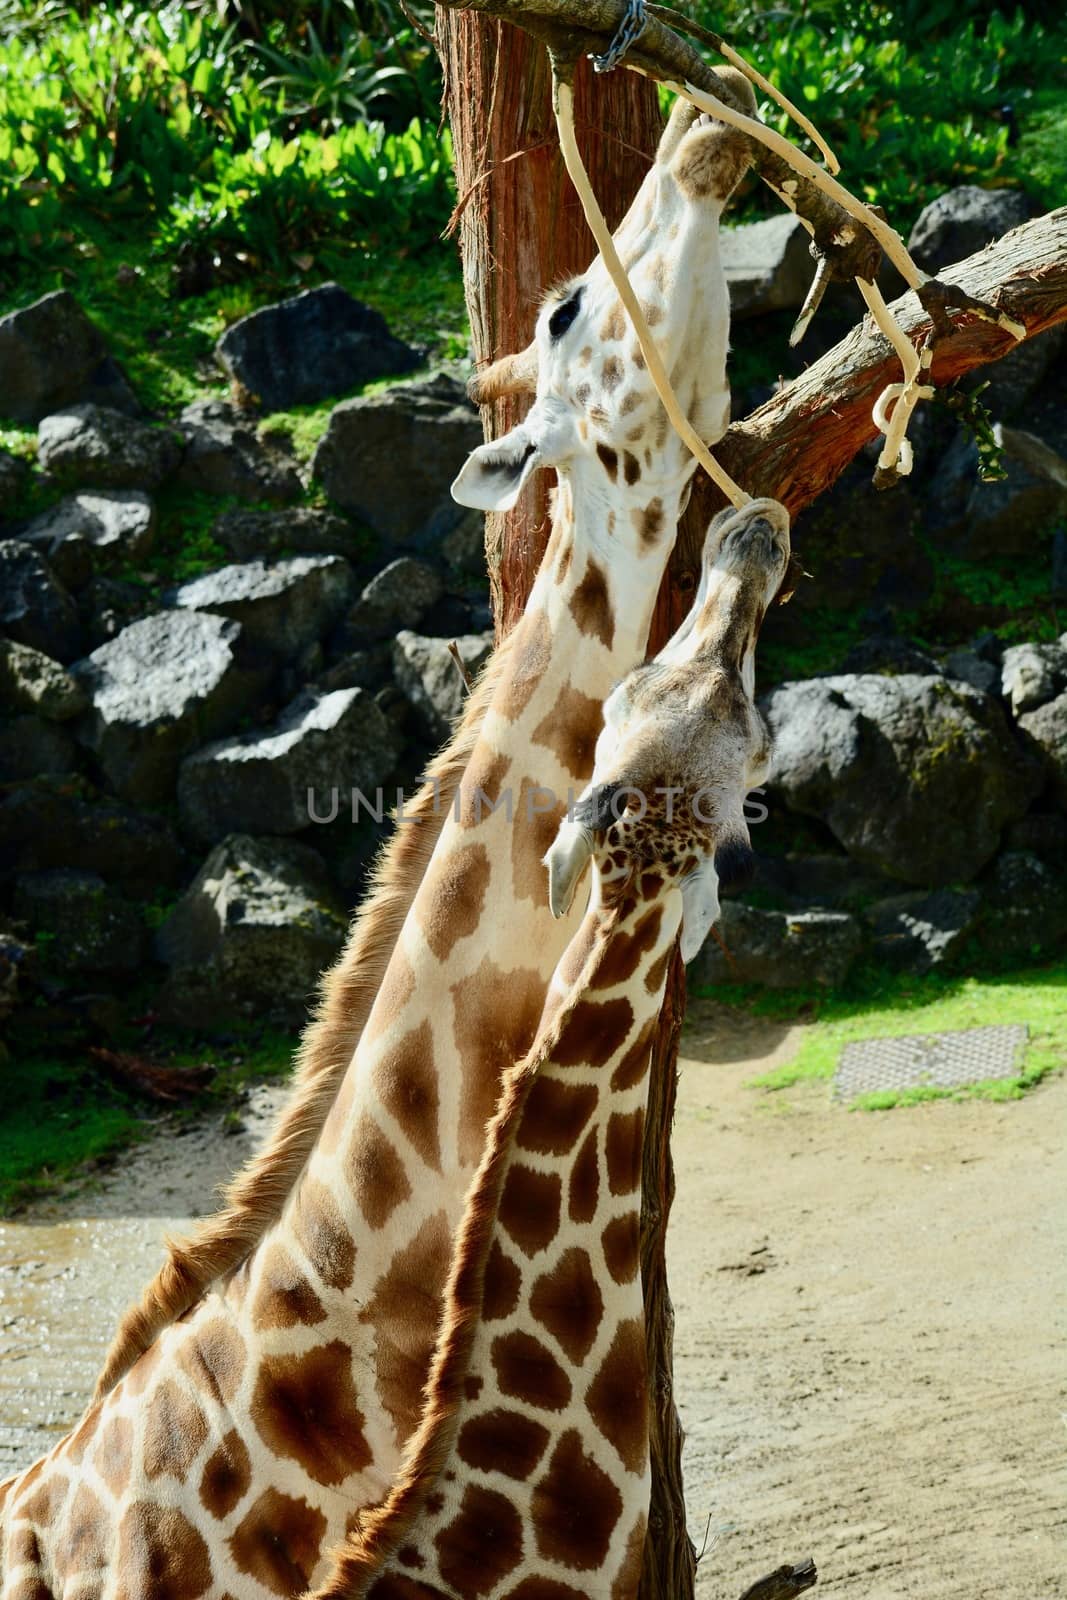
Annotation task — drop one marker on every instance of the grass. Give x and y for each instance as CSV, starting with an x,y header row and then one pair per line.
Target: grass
x,y
876,1006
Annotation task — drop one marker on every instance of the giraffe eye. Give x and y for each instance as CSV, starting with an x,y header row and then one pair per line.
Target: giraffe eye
x,y
564,315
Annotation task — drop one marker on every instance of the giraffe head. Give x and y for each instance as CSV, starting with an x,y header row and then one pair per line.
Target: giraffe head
x,y
683,742
596,416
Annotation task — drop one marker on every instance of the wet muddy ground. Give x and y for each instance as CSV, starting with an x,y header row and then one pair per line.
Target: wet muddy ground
x,y
869,1351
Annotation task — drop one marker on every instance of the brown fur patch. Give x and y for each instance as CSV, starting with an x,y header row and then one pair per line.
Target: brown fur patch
x,y
571,729
613,326
575,1508
450,903
284,1298
226,1476
544,1589
527,663
495,1012
141,1373
408,1556
627,950
502,1441
375,1170
621,1245
617,1399
631,467
554,1115
482,1544
175,1428
396,990
500,1286
567,1301
622,1147
634,1064
84,1548
277,1542
305,1408
482,785
628,1578
536,822
161,1554
323,1234
657,972
529,1207
214,1359
611,373
649,523
590,605
584,1187
629,402
113,1453
404,1312
593,1032
527,1370
609,460
406,1080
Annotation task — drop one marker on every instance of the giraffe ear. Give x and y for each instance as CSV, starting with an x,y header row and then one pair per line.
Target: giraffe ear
x,y
494,475
566,860
700,907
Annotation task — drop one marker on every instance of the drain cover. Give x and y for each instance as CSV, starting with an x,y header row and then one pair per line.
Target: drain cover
x,y
940,1060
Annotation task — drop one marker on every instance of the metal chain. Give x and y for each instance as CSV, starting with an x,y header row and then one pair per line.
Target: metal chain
x,y
627,34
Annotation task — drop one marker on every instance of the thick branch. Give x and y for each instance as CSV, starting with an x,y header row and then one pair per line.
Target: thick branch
x,y
795,446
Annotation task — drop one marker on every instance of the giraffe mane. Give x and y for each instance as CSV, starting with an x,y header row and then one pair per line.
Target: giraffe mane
x,y
254,1199
380,1531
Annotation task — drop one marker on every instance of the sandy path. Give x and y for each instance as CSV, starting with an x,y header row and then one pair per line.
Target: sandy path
x,y
868,1364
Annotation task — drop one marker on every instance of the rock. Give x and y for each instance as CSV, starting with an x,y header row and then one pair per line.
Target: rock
x,y
90,928
390,458
967,666
918,931
915,776
1046,728
398,597
779,949
767,265
31,681
60,822
163,686
29,745
52,357
1031,674
989,520
88,530
817,882
35,608
260,782
306,530
319,343
15,957
225,455
252,933
1007,384
463,549
107,605
283,608
14,473
1043,834
362,669
889,655
964,220
98,448
426,672
1028,909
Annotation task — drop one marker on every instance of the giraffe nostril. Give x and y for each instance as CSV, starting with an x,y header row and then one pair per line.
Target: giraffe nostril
x,y
735,863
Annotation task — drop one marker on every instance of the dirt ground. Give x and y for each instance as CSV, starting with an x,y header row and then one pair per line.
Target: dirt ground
x,y
869,1347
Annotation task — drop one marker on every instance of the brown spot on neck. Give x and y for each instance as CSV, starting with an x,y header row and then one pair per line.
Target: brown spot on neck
x,y
590,605
631,468
609,460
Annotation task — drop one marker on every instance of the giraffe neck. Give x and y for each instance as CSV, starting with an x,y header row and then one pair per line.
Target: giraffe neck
x,y
532,1458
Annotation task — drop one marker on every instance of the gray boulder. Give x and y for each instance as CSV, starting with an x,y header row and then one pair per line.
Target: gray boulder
x,y
986,520
1032,674
767,265
29,745
921,930
1027,916
52,356
964,220
398,597
91,928
162,687
390,458
52,822
304,530
33,682
14,473
1009,382
90,530
425,671
975,667
252,934
260,782
778,949
107,605
283,608
1046,729
915,776
315,345
225,455
98,448
35,608
1043,834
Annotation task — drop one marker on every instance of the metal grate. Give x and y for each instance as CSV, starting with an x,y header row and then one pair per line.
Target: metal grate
x,y
940,1060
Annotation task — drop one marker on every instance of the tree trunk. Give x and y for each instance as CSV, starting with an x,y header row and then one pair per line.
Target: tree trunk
x,y
522,229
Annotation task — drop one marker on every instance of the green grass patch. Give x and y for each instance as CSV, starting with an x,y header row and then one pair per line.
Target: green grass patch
x,y
876,1006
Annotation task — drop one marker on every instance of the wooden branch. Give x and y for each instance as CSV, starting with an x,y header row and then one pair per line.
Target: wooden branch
x,y
784,1584
794,447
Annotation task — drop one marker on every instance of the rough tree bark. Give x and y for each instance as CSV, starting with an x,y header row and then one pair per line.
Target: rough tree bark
x,y
521,228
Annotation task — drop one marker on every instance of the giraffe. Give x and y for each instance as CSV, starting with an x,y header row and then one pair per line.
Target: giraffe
x,y
528,1478
258,1397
